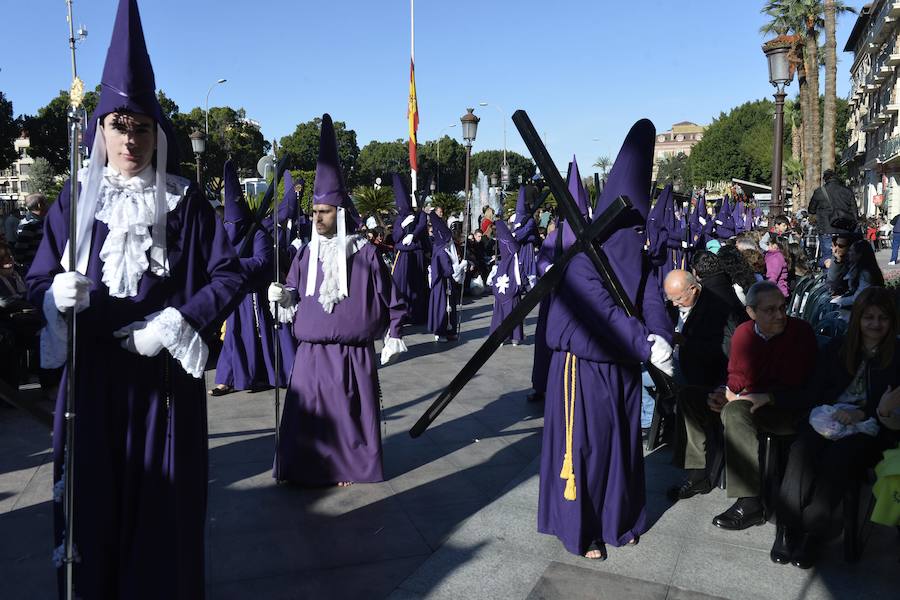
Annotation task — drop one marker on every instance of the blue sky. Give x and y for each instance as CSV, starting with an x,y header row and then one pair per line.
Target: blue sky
x,y
585,70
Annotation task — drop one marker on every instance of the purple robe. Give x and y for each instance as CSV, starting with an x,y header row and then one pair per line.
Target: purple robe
x,y
330,424
542,355
526,235
444,296
247,358
141,436
505,287
408,270
607,448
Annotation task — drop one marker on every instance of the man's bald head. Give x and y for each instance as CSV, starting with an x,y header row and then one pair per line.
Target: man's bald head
x,y
682,288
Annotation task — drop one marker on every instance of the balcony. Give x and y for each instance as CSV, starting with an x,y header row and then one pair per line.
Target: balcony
x,y
890,150
892,108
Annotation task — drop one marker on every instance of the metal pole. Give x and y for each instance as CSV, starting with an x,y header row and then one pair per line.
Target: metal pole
x,y
777,204
439,164
466,229
277,322
77,118
197,154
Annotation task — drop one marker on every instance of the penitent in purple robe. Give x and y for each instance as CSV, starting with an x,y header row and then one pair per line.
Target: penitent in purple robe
x,y
597,351
507,283
140,431
445,292
330,425
247,358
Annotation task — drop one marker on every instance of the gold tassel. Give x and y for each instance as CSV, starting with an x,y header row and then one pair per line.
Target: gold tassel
x,y
568,472
569,494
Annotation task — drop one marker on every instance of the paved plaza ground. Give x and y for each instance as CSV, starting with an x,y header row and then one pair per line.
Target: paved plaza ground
x,y
455,518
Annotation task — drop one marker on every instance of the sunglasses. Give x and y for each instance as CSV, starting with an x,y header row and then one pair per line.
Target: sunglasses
x,y
839,245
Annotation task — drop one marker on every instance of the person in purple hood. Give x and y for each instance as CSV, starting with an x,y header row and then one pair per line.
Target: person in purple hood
x,y
408,271
506,281
591,490
342,299
246,361
447,273
524,230
155,273
558,241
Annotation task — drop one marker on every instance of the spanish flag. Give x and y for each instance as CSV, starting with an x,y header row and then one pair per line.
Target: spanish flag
x,y
412,114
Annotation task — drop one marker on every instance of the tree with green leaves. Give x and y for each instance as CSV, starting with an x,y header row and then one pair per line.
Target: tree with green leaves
x,y
604,163
42,178
374,201
380,160
489,162
675,170
303,147
444,162
452,204
231,135
9,131
48,129
737,144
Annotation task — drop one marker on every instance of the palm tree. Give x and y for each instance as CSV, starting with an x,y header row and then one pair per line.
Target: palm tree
x,y
793,173
374,201
829,113
603,163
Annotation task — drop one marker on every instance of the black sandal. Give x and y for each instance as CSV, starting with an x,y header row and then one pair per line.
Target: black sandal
x,y
601,548
220,391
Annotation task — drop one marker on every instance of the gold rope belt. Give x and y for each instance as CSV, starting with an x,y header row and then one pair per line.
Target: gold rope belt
x,y
567,472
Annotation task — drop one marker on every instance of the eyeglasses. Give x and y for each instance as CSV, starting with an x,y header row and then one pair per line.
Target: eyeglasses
x,y
838,245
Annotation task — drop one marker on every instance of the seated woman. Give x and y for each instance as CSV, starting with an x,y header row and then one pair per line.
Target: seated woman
x,y
862,272
19,322
858,373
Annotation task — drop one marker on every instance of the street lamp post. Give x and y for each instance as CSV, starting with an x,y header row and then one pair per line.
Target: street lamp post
x,y
779,76
198,144
208,92
469,124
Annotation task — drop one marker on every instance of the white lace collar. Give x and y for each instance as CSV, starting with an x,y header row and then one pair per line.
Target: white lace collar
x,y
330,255
128,208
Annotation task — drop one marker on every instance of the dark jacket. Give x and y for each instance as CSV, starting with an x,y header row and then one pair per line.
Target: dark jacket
x,y
721,285
831,378
703,355
840,202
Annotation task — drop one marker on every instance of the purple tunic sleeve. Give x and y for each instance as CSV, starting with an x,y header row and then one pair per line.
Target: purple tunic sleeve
x,y
209,249
653,309
586,321
259,267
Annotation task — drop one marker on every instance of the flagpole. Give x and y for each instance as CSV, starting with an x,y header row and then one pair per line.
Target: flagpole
x,y
413,105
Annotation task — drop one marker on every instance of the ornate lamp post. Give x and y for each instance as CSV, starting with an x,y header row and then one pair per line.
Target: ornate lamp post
x,y
780,75
198,143
469,128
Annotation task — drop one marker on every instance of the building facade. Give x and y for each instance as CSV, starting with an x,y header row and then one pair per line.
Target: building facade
x,y
872,156
14,184
678,140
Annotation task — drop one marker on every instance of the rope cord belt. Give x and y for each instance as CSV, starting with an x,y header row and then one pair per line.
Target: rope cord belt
x,y
568,472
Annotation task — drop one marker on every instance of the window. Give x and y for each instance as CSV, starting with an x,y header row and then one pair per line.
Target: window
x,y
24,169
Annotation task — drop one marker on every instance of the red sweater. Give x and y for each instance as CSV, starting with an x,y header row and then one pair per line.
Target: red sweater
x,y
780,365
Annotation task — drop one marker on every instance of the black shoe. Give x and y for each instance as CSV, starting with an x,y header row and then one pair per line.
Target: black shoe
x,y
741,515
781,550
689,489
535,397
803,554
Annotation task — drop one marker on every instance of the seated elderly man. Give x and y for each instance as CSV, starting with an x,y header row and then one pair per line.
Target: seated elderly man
x,y
705,324
770,361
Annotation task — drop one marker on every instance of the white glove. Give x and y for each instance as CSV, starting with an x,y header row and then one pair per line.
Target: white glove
x,y
702,220
284,296
409,219
459,271
661,354
140,338
71,289
407,239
